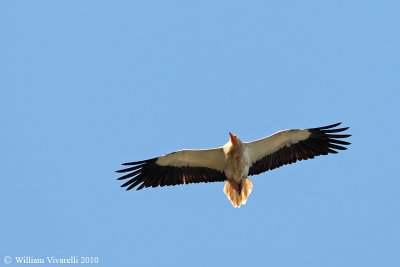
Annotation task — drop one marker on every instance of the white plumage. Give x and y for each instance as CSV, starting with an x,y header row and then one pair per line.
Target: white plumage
x,y
234,161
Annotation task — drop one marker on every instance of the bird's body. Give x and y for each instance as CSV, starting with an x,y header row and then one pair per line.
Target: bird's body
x,y
237,187
234,161
237,160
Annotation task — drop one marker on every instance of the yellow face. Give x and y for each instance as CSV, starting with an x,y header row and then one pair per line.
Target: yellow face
x,y
233,137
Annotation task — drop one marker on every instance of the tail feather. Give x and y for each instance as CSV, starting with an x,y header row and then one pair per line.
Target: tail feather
x,y
238,193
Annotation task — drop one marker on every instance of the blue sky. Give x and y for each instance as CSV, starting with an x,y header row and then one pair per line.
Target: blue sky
x,y
87,85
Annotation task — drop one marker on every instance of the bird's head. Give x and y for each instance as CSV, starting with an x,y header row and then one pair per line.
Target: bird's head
x,y
233,138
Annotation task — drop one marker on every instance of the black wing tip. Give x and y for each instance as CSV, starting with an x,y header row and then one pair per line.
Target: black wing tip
x,y
133,163
139,162
137,165
328,126
129,163
336,130
127,188
329,137
129,185
331,130
334,125
334,136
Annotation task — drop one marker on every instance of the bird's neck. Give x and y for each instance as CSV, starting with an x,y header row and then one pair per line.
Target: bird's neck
x,y
234,149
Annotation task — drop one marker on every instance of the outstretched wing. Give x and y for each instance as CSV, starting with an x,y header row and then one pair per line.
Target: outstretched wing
x,y
289,146
180,167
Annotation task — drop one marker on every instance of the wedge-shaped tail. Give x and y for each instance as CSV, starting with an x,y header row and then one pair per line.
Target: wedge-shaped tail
x,y
238,193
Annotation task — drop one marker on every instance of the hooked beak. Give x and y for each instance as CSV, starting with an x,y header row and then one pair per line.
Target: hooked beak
x,y
233,138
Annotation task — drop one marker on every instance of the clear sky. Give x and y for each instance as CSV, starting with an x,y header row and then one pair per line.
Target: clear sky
x,y
87,85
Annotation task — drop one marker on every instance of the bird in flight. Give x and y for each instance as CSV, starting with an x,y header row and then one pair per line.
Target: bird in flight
x,y
235,161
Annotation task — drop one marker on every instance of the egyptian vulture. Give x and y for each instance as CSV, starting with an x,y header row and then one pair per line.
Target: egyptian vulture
x,y
235,161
